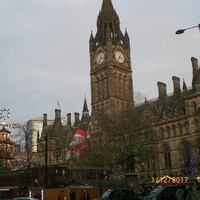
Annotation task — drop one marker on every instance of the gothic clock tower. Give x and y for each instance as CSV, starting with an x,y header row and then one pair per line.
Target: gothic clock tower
x,y
110,64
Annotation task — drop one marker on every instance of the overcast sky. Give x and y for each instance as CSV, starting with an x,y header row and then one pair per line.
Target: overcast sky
x,y
44,50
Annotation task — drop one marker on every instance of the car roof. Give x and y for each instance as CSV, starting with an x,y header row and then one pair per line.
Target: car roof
x,y
120,189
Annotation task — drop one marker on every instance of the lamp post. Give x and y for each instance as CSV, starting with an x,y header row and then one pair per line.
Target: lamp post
x,y
180,31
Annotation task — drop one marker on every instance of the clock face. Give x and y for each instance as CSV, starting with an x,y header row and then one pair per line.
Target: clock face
x,y
119,56
100,57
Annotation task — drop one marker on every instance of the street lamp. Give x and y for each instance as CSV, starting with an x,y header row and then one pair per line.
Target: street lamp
x,y
180,31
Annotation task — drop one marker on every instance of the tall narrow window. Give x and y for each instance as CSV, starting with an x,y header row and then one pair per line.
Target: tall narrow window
x,y
168,132
167,156
180,130
174,130
187,128
162,133
186,155
194,107
197,125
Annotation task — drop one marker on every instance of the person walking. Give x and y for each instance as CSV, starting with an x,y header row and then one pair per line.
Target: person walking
x,y
73,195
61,195
86,195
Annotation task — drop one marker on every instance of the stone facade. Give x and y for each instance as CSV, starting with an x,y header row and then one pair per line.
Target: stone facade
x,y
110,66
55,138
175,117
176,127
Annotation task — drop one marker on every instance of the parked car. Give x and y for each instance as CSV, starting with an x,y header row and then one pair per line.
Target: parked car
x,y
119,194
165,193
25,198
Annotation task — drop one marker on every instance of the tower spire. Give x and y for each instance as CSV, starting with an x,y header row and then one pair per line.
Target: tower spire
x,y
108,26
107,6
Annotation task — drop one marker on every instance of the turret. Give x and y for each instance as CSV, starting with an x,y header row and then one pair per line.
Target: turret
x,y
85,112
92,42
184,86
127,39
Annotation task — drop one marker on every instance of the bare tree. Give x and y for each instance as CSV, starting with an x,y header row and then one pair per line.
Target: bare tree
x,y
127,132
24,156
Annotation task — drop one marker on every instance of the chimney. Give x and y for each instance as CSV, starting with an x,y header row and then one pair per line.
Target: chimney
x,y
194,66
162,92
177,87
76,118
57,113
44,120
57,125
69,119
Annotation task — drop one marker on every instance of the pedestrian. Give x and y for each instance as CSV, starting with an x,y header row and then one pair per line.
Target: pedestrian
x,y
61,195
86,195
73,195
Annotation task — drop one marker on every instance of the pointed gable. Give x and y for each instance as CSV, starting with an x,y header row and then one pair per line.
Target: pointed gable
x,y
107,7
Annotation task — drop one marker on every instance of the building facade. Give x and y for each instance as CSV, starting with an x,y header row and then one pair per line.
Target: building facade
x,y
34,127
54,143
174,118
110,67
5,149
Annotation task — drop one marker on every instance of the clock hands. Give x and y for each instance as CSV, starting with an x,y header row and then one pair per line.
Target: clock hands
x,y
119,58
100,58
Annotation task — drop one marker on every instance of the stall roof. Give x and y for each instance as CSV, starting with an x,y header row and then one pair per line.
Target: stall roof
x,y
91,182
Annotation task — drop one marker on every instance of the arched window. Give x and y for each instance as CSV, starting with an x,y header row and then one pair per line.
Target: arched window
x,y
187,128
180,130
174,130
194,108
167,156
197,125
186,153
162,132
168,132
